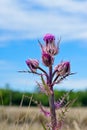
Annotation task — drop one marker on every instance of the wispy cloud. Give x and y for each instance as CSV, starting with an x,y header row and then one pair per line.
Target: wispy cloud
x,y
31,19
75,84
69,6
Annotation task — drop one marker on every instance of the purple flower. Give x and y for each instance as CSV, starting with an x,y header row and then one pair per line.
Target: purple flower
x,y
63,68
33,64
49,38
47,59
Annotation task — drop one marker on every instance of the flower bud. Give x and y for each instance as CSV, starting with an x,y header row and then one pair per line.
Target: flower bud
x,y
33,64
49,38
63,68
47,59
50,46
52,49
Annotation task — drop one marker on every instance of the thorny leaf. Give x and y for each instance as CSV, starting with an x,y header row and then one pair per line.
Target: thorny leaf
x,y
62,101
66,109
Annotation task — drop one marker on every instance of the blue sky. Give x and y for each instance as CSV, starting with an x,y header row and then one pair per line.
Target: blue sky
x,y
23,22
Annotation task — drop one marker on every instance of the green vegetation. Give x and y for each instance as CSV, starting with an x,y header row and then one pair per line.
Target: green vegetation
x,y
10,97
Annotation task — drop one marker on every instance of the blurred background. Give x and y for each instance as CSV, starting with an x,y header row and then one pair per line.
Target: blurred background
x,y
22,24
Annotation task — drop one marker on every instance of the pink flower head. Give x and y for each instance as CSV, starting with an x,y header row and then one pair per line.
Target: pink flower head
x,y
49,38
47,59
63,68
50,47
33,64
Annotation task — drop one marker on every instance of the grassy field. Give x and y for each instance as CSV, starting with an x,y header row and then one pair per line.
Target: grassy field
x,y
27,118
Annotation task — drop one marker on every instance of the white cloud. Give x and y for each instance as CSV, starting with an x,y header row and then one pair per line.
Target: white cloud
x,y
72,6
21,82
65,18
75,84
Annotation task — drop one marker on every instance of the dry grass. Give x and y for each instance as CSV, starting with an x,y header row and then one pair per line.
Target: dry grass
x,y
23,118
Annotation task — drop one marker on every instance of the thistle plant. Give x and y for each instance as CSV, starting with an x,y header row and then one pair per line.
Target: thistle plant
x,y
49,49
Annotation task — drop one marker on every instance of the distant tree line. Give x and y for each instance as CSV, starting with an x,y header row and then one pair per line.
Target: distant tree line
x,y
16,98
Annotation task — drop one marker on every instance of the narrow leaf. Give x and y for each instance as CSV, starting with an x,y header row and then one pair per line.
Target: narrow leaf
x,y
45,85
44,127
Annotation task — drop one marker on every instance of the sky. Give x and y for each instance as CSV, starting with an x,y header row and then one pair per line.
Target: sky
x,y
24,22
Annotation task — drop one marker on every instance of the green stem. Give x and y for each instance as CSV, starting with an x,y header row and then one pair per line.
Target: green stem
x,y
51,101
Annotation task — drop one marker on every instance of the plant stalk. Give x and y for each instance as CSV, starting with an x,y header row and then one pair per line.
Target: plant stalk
x,y
51,102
